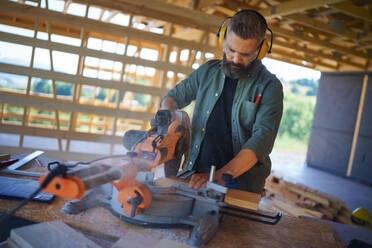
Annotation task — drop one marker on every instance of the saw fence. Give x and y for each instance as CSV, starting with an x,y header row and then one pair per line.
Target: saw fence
x,y
295,199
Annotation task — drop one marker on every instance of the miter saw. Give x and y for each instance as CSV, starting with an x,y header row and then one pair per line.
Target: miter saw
x,y
127,186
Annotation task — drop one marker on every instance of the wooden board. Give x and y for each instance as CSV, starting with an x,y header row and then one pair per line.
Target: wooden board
x,y
134,239
234,197
50,234
242,199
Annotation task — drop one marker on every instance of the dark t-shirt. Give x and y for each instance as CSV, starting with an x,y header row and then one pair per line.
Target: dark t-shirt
x,y
217,148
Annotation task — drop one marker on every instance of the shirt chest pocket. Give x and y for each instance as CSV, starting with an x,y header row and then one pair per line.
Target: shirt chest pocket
x,y
247,114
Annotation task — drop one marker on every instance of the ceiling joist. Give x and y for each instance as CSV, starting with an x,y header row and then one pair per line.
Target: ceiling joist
x,y
353,10
294,6
301,37
318,54
327,27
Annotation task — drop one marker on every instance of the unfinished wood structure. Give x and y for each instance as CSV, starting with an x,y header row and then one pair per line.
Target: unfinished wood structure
x,y
105,65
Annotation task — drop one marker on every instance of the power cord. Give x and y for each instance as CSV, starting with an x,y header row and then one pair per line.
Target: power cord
x,y
59,170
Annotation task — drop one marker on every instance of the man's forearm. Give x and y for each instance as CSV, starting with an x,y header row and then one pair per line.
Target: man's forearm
x,y
169,103
240,164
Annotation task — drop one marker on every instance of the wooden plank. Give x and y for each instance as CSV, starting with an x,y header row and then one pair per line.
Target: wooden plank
x,y
315,53
289,208
60,134
357,125
78,79
304,198
136,239
89,24
243,199
234,197
319,25
133,239
50,234
207,3
58,155
292,61
309,195
44,103
349,8
294,6
83,51
167,243
302,58
325,44
163,11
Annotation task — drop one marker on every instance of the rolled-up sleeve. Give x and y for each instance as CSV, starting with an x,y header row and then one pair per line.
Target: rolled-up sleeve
x,y
266,125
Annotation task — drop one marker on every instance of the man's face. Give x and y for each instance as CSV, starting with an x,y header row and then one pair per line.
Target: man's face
x,y
238,55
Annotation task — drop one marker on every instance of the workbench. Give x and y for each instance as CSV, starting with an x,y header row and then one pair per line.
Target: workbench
x,y
233,232
105,228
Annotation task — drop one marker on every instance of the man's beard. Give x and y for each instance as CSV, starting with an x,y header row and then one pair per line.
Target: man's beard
x,y
236,71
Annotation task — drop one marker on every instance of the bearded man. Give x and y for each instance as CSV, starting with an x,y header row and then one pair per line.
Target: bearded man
x,y
238,108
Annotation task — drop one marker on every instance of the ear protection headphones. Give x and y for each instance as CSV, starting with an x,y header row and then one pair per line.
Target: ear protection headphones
x,y
264,46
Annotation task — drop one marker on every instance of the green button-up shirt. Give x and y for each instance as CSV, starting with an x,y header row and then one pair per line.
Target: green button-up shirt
x,y
254,126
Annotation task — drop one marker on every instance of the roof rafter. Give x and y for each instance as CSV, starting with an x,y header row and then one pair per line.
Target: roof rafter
x,y
355,11
317,54
326,27
302,58
162,11
325,44
44,14
294,6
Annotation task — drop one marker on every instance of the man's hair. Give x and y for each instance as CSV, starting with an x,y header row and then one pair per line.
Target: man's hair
x,y
247,25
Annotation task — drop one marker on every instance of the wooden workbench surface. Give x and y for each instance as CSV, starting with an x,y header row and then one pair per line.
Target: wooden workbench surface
x,y
233,232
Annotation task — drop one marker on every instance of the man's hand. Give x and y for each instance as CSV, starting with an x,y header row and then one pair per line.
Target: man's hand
x,y
198,180
241,163
201,179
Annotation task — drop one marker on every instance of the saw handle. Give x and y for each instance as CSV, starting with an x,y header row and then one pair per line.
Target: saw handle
x,y
135,201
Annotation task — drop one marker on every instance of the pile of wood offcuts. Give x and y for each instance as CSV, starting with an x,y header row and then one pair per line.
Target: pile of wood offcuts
x,y
298,200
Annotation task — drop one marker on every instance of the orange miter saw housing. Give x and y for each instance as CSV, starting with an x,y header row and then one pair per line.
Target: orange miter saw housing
x,y
166,141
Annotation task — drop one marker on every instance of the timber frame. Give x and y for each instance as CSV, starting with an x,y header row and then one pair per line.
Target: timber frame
x,y
326,35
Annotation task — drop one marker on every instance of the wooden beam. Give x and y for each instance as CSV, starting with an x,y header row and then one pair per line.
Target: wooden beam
x,y
45,103
58,155
78,79
350,9
325,27
93,53
357,125
290,34
162,11
288,60
316,53
89,24
207,3
60,134
294,6
297,62
302,58
226,11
